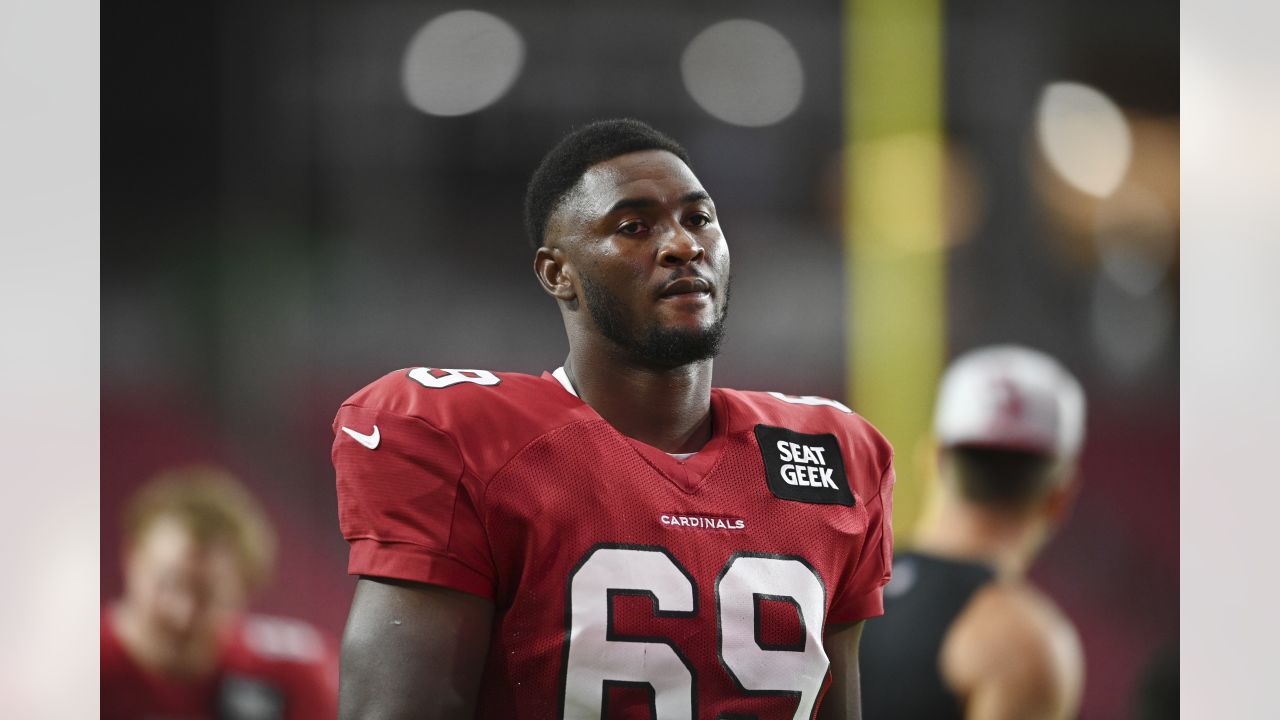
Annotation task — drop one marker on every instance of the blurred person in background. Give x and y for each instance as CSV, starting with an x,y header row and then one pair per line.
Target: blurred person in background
x,y
179,644
964,634
617,537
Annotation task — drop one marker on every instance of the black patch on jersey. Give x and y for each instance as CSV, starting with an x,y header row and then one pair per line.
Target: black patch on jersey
x,y
245,698
804,467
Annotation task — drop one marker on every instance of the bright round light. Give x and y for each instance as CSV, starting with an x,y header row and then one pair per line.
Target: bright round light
x,y
461,62
744,73
1084,136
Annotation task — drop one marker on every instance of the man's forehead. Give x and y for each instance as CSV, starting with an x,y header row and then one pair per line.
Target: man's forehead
x,y
649,173
170,537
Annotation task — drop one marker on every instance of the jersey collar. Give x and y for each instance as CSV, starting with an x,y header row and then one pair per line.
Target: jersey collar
x,y
563,378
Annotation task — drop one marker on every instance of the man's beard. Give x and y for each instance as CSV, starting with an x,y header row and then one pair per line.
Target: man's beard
x,y
654,346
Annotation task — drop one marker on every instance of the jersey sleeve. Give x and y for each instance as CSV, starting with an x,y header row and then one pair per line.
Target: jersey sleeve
x,y
406,504
863,596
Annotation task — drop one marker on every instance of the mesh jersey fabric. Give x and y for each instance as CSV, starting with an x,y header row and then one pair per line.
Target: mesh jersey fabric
x,y
899,657
518,491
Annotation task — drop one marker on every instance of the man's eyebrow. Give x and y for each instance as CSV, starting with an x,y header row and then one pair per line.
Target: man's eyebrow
x,y
648,202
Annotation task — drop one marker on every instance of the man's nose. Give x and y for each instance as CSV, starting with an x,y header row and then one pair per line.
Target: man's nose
x,y
679,248
181,610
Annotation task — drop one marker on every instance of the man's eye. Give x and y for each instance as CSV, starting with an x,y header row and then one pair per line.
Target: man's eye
x,y
699,220
632,228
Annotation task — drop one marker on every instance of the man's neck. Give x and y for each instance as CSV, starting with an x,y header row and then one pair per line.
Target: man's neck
x,y
667,409
965,532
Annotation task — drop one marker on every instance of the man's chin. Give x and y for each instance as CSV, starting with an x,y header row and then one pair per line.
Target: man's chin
x,y
673,347
680,334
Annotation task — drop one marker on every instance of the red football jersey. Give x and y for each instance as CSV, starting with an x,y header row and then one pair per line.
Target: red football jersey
x,y
268,669
627,583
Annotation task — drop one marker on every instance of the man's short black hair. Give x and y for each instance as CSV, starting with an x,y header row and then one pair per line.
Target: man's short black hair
x,y
564,165
1008,479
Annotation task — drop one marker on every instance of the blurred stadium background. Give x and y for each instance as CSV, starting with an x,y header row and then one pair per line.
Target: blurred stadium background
x,y
300,197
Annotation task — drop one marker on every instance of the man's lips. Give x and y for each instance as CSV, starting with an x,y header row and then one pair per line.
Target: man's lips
x,y
686,286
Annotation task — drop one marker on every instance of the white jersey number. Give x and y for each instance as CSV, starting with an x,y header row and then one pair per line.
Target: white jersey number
x,y
755,667
596,659
599,657
442,378
811,400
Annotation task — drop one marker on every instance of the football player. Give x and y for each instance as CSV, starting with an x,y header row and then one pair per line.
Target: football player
x,y
964,634
178,645
616,537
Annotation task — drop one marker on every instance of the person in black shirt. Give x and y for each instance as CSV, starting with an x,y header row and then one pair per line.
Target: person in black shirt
x,y
964,634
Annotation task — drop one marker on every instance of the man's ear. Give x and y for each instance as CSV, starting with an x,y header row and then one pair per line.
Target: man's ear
x,y
1062,498
554,273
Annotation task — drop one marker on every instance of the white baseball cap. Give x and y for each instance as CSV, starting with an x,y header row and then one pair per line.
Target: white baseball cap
x,y
1012,397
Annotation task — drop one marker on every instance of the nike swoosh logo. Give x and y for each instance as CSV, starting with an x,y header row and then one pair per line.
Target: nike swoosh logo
x,y
370,441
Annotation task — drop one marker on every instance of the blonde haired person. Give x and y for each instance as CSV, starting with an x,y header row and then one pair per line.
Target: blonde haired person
x,y
179,643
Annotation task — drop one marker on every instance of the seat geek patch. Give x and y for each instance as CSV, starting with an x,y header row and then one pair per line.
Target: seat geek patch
x,y
804,468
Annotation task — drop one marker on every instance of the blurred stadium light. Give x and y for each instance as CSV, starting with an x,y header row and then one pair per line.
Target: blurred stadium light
x,y
743,72
1129,330
461,62
1084,136
1136,238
